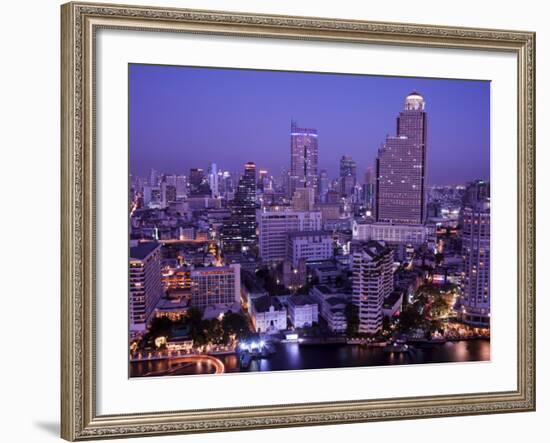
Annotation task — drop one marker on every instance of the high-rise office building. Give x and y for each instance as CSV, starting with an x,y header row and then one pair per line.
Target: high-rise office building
x,y
265,181
348,175
372,266
168,193
154,177
401,167
198,183
213,180
476,245
181,186
145,284
323,184
303,158
239,230
369,188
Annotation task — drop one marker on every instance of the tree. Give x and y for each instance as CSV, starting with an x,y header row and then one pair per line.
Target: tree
x,y
196,327
235,324
352,319
439,308
160,326
213,330
409,319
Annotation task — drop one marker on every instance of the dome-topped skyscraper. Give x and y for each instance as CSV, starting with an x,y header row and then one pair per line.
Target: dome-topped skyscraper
x,y
414,102
401,168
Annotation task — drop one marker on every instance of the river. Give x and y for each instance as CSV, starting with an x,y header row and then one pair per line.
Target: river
x,y
293,356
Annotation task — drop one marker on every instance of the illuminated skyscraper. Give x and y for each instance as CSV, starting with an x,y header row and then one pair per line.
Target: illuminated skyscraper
x,y
303,158
239,231
348,175
213,180
476,242
401,167
372,265
145,284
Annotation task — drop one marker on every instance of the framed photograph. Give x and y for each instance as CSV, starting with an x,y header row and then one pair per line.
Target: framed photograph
x,y
282,221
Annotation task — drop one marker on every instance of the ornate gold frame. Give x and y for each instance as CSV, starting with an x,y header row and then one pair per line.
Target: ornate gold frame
x,y
79,420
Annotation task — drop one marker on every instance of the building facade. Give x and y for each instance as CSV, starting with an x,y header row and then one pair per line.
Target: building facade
x,y
332,307
239,230
401,168
211,286
303,311
476,247
275,225
303,199
303,158
268,315
390,233
145,284
372,266
309,246
348,175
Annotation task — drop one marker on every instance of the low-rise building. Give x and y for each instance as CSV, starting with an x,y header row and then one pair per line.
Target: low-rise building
x,y
332,306
303,311
215,286
177,279
172,308
325,271
268,315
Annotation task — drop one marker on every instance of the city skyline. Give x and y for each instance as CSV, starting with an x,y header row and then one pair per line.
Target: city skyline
x,y
181,118
239,271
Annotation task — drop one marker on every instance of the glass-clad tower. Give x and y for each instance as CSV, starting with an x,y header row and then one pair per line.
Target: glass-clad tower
x,y
239,231
303,158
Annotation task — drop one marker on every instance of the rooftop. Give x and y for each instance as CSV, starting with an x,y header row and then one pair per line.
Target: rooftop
x,y
301,300
262,304
299,234
324,289
372,248
142,250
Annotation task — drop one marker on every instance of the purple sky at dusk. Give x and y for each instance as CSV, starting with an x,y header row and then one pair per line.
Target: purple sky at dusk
x,y
182,117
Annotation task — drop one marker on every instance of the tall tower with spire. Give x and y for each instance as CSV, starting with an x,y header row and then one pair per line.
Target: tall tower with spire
x,y
401,167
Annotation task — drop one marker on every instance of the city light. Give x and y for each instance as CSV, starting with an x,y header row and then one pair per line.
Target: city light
x,y
323,259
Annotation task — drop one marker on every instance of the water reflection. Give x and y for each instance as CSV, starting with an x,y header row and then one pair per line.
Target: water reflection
x,y
293,356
